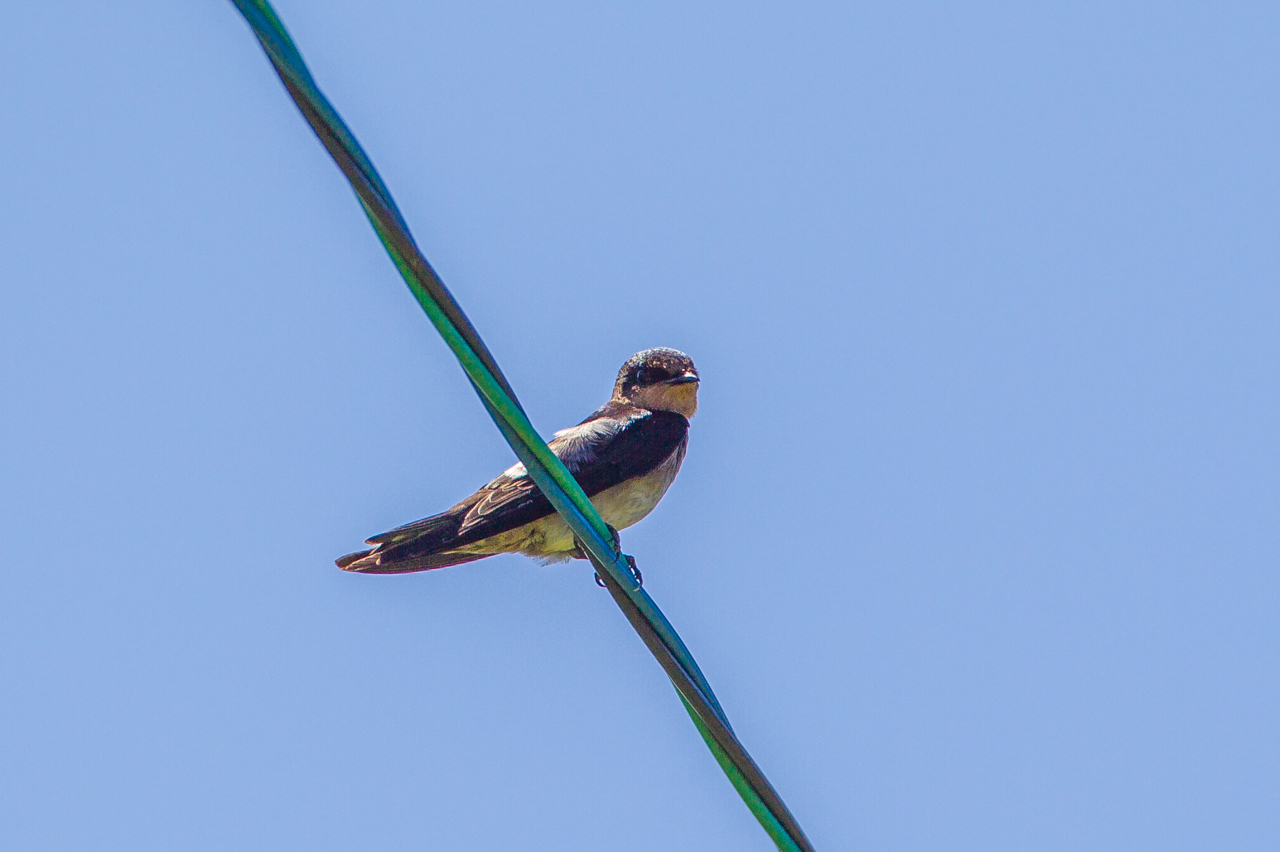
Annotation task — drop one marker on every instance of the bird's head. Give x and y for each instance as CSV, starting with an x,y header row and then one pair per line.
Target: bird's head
x,y
660,380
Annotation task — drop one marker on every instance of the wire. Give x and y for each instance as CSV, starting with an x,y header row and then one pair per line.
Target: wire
x,y
546,470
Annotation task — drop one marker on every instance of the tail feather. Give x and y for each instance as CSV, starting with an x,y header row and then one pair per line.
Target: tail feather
x,y
419,546
345,562
439,526
373,562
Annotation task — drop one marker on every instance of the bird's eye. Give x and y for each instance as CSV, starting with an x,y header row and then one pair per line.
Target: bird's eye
x,y
644,376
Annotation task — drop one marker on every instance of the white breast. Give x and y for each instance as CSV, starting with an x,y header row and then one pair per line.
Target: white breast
x,y
629,502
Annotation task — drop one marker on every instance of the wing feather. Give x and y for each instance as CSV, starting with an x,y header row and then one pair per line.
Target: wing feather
x,y
613,445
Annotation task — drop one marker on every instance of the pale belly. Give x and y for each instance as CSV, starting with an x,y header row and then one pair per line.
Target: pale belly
x,y
620,506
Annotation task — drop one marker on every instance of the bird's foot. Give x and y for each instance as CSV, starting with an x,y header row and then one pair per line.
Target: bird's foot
x,y
635,572
580,552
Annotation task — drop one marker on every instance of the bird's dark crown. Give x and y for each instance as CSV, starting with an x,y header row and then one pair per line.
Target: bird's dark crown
x,y
654,367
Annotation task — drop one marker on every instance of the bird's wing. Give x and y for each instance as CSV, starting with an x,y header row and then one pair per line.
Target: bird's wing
x,y
609,448
513,500
599,453
642,445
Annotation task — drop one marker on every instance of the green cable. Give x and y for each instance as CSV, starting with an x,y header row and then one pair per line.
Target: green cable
x,y
546,470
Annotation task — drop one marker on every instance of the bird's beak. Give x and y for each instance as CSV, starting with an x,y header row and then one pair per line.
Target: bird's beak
x,y
683,380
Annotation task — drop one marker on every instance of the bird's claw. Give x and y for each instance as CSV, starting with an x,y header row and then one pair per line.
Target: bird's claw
x,y
635,572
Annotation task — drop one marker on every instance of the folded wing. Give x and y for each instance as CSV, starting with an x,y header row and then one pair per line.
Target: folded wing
x,y
616,443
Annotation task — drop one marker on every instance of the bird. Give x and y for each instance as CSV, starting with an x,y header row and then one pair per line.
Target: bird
x,y
625,456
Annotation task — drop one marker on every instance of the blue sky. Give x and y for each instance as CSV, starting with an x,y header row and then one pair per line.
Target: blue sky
x,y
977,533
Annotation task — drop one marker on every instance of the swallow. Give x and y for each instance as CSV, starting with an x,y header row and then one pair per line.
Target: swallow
x,y
625,456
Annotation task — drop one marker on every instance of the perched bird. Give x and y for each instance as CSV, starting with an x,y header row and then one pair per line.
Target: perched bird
x,y
624,456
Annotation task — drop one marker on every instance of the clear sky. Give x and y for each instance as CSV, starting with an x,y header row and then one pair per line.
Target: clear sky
x,y
977,535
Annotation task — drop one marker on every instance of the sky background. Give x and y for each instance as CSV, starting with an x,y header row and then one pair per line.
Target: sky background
x,y
977,535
